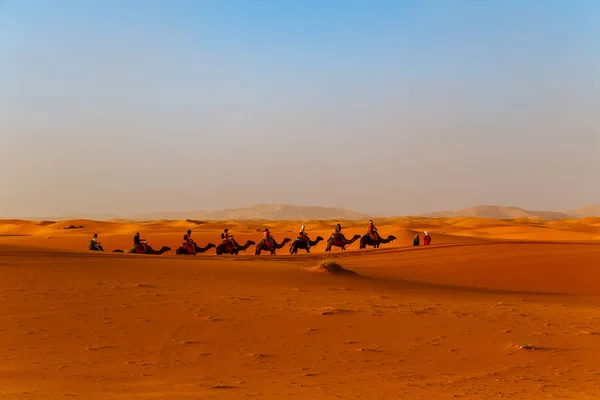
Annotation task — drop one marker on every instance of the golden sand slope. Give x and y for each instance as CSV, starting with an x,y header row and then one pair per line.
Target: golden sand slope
x,y
470,317
438,322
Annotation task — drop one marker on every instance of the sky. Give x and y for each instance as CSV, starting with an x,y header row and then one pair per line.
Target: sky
x,y
386,107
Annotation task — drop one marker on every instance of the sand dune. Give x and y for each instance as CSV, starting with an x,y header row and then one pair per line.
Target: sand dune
x,y
473,316
118,235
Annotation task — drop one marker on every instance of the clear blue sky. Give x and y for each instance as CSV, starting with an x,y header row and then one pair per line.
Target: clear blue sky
x,y
380,106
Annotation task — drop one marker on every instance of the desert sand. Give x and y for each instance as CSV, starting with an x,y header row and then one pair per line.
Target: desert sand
x,y
492,309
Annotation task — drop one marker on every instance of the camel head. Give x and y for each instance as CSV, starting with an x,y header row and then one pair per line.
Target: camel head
x,y
356,237
391,237
286,240
319,239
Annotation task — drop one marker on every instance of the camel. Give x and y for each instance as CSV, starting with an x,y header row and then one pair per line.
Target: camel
x,y
150,250
300,243
262,246
366,240
342,242
197,249
222,249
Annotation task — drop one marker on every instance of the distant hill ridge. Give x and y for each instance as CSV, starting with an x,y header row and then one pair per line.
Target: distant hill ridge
x,y
272,212
506,212
593,210
282,212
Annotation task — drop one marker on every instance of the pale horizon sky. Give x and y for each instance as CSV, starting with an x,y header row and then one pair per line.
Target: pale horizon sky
x,y
387,107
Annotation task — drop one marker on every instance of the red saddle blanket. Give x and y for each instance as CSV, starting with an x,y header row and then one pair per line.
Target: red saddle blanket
x,y
188,247
337,240
140,248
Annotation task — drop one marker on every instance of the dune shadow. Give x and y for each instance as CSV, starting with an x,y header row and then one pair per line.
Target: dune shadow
x,y
13,235
397,284
195,221
46,223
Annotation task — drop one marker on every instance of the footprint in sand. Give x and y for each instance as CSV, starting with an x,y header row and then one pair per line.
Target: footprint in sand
x,y
100,347
258,356
188,342
145,285
334,311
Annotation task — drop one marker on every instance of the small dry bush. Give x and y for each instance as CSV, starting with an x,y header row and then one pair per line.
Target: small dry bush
x,y
329,266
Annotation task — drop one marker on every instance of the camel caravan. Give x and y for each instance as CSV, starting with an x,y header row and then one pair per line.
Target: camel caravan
x,y
268,244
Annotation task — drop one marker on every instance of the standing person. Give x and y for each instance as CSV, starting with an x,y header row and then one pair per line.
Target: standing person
x,y
304,236
416,240
426,238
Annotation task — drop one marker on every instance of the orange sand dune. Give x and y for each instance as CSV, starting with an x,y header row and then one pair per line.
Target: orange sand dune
x,y
473,316
118,235
436,322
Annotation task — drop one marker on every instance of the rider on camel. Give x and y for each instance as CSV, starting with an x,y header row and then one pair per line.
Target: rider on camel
x,y
269,240
227,238
188,242
373,231
337,234
137,242
95,244
302,234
